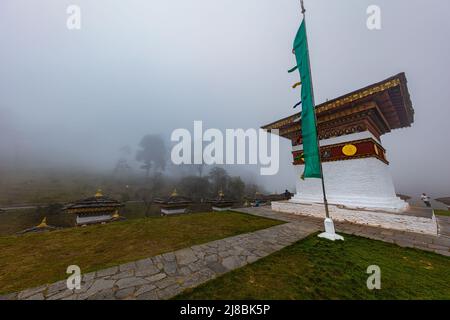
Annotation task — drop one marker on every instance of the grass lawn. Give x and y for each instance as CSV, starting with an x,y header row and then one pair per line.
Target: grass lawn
x,y
319,269
12,221
34,259
445,213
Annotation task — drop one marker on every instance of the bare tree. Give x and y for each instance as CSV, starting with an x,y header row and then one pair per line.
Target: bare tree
x,y
153,154
194,187
236,188
148,194
219,179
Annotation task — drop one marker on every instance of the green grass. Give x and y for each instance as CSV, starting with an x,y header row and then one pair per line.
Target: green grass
x,y
319,269
445,213
34,259
13,221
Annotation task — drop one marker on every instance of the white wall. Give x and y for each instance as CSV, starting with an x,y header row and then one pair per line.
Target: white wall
x,y
357,183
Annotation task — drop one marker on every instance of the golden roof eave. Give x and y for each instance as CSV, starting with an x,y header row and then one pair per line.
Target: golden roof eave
x,y
355,97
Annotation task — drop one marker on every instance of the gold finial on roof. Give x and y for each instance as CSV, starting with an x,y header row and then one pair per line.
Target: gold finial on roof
x,y
174,193
43,223
221,194
99,193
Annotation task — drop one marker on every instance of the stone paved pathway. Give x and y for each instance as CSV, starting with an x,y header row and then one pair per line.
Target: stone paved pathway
x,y
166,275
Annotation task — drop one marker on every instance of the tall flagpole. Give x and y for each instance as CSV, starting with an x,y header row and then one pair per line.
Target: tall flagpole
x,y
325,201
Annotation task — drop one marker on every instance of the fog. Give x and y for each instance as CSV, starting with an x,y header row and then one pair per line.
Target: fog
x,y
74,98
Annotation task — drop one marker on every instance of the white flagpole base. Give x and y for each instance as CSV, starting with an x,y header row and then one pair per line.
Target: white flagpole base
x,y
330,232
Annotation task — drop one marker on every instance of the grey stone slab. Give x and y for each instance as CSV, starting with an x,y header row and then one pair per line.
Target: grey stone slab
x,y
169,292
157,259
170,268
185,256
165,282
211,258
56,288
122,275
145,264
127,266
170,256
144,289
106,294
438,247
260,253
130,282
184,271
98,286
252,258
88,276
61,295
124,293
31,292
38,296
442,241
156,277
150,270
200,254
196,266
198,248
217,267
444,253
85,286
224,254
151,295
107,272
211,251
204,275
231,263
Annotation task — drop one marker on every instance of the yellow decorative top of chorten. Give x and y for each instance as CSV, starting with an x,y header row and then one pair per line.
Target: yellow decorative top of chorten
x,y
43,223
221,194
174,193
99,193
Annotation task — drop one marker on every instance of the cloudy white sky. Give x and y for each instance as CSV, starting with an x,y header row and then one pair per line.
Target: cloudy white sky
x,y
149,66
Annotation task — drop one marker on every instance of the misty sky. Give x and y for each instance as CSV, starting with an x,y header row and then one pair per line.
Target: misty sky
x,y
147,66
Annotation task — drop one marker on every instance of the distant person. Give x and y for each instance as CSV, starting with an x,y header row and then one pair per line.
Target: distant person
x,y
287,194
426,199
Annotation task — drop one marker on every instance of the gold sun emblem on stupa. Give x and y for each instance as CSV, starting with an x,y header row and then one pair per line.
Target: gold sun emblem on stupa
x,y
349,150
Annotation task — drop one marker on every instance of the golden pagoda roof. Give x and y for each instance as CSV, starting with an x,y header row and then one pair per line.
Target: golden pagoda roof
x,y
43,223
99,201
174,198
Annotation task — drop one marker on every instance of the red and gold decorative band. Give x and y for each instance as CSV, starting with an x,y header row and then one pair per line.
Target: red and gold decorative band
x,y
367,148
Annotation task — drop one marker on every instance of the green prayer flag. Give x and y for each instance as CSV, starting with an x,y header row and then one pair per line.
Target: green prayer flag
x,y
309,129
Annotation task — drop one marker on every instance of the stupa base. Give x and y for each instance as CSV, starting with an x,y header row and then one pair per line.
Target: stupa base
x,y
408,221
219,209
173,211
